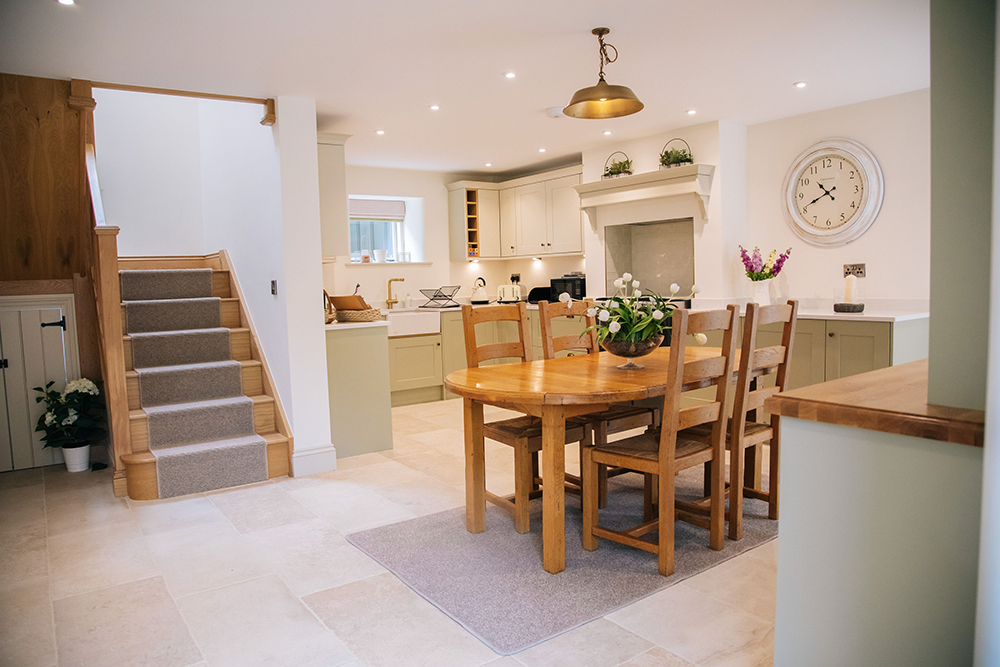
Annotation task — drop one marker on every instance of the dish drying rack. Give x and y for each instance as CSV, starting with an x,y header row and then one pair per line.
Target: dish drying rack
x,y
441,297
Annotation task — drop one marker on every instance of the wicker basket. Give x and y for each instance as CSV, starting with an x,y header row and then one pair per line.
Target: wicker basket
x,y
370,315
329,312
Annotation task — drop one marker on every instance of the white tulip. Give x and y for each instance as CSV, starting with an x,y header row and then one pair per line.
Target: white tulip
x,y
604,316
674,288
636,294
614,327
657,315
565,297
695,289
619,283
701,338
635,283
591,312
626,277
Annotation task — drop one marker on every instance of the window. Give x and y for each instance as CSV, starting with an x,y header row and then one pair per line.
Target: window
x,y
377,225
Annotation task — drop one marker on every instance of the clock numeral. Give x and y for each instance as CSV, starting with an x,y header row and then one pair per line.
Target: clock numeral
x,y
804,211
852,175
803,181
852,205
827,163
842,218
857,189
814,219
841,164
828,223
800,195
813,170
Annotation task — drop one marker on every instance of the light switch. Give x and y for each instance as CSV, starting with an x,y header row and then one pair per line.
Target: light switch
x,y
274,287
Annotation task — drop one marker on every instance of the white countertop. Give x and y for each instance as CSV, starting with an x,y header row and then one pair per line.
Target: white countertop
x,y
339,326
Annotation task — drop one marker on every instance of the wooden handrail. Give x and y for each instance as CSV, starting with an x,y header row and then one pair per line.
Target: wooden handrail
x,y
268,103
96,203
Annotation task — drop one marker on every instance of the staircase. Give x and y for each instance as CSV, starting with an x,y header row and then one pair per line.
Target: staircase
x,y
200,413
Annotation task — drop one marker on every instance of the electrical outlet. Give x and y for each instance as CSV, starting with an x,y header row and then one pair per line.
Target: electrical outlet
x,y
515,277
854,270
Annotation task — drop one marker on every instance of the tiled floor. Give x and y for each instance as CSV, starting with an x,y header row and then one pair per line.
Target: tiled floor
x,y
263,575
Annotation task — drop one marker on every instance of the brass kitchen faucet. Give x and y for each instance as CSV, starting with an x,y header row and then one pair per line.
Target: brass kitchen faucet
x,y
390,302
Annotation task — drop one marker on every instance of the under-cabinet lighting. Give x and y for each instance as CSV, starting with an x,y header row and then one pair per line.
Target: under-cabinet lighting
x,y
66,2
537,259
800,84
475,261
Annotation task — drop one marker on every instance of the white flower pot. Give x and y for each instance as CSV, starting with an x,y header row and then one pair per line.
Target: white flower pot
x,y
762,292
77,458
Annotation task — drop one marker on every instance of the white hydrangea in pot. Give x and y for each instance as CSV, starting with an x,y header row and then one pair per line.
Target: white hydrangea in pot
x,y
73,419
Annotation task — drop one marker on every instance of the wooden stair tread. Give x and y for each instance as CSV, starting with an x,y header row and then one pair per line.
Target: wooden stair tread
x,y
245,363
139,457
232,330
274,438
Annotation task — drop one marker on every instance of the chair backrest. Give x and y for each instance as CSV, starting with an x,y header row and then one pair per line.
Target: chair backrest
x,y
476,354
713,370
763,361
551,344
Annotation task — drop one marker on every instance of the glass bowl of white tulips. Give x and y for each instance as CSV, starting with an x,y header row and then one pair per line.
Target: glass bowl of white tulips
x,y
633,322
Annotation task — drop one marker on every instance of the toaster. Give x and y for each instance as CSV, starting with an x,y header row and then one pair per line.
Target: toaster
x,y
509,293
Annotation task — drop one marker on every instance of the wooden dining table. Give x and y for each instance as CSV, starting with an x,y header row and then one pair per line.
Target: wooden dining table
x,y
552,389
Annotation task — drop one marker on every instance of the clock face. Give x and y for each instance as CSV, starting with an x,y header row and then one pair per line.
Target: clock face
x,y
833,191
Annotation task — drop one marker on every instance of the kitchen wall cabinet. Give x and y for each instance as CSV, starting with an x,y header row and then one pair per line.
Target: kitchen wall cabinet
x,y
526,217
415,369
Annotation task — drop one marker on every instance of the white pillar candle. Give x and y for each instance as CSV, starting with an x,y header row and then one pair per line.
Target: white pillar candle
x,y
850,288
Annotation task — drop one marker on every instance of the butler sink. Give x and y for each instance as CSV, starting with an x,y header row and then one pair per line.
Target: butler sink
x,y
413,322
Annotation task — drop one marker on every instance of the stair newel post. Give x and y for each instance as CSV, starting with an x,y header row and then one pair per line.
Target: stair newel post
x,y
113,359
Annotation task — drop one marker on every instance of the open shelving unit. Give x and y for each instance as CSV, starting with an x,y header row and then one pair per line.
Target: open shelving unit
x,y
472,223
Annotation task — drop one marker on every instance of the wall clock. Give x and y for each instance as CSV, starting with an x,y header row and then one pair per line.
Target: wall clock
x,y
832,192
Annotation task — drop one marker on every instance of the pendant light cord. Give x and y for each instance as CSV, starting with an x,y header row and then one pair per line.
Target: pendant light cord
x,y
605,58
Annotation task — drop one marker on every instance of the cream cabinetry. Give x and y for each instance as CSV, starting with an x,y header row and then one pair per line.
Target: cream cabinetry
x,y
527,217
415,369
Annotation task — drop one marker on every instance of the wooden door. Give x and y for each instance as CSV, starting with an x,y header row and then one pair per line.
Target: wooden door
x,y
508,223
856,347
35,355
565,217
532,234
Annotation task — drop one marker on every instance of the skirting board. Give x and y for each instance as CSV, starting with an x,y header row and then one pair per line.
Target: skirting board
x,y
314,460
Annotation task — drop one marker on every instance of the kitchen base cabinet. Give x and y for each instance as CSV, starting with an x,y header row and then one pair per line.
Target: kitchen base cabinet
x,y
415,369
358,378
808,350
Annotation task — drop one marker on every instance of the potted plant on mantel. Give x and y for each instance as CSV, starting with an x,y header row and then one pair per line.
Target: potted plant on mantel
x,y
617,168
632,323
73,419
675,157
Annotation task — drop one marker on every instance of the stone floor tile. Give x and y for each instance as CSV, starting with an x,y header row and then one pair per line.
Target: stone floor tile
x,y
599,643
96,558
349,508
132,624
311,556
204,556
185,512
27,633
386,624
742,582
767,553
259,622
692,625
657,657
19,478
24,556
408,425
259,507
423,496
80,508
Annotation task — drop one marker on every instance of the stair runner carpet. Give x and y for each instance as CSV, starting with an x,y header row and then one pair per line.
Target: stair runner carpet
x,y
201,427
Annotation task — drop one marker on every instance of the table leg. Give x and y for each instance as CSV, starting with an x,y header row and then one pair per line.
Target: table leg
x,y
553,488
475,468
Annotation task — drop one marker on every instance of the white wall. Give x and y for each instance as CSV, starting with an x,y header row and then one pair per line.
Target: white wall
x,y
896,249
148,158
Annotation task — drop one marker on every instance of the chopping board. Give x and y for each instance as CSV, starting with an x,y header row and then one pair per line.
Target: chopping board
x,y
352,302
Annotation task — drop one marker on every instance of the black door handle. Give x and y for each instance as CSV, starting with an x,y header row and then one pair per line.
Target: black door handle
x,y
60,323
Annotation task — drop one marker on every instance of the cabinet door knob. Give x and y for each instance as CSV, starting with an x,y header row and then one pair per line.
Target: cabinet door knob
x,y
830,334
548,244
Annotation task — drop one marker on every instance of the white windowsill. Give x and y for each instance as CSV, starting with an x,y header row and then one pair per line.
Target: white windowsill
x,y
389,264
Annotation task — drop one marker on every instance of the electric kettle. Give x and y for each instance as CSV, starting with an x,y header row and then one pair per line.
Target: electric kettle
x,y
479,291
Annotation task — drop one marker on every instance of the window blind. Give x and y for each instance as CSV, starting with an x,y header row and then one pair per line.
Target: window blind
x,y
376,209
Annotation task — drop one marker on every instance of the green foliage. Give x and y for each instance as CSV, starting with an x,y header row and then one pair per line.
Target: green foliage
x,y
73,416
619,167
675,156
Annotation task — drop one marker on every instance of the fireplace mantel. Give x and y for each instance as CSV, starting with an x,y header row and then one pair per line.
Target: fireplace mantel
x,y
667,194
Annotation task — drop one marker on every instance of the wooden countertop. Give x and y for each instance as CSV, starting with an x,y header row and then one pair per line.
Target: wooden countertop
x,y
891,400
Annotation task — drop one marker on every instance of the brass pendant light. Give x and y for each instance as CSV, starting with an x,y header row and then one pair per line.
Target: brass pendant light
x,y
603,100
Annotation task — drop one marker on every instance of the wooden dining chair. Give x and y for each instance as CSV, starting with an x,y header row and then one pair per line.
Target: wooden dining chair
x,y
748,428
523,434
599,425
662,455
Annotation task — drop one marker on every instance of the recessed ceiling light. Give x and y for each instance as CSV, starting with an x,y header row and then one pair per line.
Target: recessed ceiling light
x,y
475,261
489,164
66,2
541,150
379,131
435,107
800,84
691,112
509,75
607,132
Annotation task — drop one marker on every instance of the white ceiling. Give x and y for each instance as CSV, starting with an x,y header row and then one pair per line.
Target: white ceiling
x,y
381,64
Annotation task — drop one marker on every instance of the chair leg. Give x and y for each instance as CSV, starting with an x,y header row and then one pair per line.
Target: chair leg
x,y
522,487
601,438
774,462
588,474
707,488
735,495
534,471
665,489
650,495
717,507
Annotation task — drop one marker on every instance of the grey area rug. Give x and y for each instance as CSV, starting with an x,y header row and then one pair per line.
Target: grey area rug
x,y
493,583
